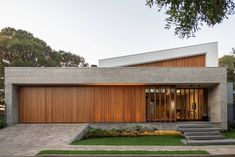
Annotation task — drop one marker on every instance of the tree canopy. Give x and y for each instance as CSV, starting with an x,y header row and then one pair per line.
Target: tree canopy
x,y
229,62
20,48
188,16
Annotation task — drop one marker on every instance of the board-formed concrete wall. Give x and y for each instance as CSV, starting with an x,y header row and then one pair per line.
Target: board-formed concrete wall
x,y
212,78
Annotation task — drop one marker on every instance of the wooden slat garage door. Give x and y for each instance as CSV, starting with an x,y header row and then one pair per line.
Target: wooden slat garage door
x,y
82,104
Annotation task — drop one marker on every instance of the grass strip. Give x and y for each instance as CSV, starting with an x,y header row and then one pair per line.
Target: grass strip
x,y
230,134
128,152
160,140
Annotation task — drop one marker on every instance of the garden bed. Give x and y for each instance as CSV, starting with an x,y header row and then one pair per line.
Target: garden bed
x,y
135,135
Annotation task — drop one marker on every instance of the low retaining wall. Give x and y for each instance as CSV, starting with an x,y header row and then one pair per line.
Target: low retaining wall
x,y
157,125
80,134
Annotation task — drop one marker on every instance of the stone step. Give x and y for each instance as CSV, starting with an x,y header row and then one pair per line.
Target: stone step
x,y
195,126
208,142
201,133
198,129
208,137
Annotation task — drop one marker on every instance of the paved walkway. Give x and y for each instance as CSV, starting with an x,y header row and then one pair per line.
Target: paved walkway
x,y
29,139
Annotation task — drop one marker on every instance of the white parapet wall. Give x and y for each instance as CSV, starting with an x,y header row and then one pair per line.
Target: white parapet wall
x,y
209,49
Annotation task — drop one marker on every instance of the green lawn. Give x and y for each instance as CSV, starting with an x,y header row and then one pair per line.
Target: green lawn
x,y
230,134
161,140
46,152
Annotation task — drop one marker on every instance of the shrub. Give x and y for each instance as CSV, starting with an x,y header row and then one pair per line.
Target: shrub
x,y
2,122
133,131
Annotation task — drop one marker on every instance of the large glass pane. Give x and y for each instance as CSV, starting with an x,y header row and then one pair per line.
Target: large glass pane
x,y
173,105
152,104
187,103
168,104
193,105
183,107
157,104
196,104
178,105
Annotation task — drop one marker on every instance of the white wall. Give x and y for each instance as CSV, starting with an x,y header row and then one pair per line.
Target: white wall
x,y
210,49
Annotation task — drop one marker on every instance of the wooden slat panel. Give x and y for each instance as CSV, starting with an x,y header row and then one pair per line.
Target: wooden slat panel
x,y
116,104
32,108
49,106
82,104
140,108
192,61
62,107
86,104
99,104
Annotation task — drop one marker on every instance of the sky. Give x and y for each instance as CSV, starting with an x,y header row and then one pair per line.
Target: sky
x,y
97,29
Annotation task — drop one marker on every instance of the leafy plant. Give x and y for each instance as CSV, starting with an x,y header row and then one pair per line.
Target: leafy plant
x,y
189,16
132,131
2,122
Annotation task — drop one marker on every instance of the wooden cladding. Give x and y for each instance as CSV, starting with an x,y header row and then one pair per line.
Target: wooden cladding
x,y
82,104
192,61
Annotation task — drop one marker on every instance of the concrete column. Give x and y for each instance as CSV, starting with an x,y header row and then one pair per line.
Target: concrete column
x,y
224,106
11,101
217,101
230,102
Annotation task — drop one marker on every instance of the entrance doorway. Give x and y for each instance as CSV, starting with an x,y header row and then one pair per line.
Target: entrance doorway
x,y
169,104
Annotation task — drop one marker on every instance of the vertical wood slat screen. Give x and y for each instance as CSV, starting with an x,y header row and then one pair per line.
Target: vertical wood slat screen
x,y
191,61
160,104
82,104
165,103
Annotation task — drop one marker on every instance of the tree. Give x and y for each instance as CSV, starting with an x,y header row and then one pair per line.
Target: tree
x,y
188,16
21,48
229,62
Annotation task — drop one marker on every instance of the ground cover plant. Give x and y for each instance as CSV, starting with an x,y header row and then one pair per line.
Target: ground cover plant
x,y
189,152
230,133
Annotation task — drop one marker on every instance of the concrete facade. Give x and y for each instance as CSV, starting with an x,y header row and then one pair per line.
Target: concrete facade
x,y
212,78
230,102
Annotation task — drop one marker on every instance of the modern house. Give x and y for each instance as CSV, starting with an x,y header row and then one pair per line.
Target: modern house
x,y
164,88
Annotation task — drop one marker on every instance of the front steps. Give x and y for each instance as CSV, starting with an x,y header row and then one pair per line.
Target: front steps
x,y
203,134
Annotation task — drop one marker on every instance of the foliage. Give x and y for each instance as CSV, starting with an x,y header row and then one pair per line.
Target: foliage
x,y
189,16
2,122
118,132
230,134
159,140
124,152
133,131
20,48
229,62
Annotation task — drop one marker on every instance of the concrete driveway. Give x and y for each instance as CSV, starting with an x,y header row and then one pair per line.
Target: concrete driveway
x,y
29,139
